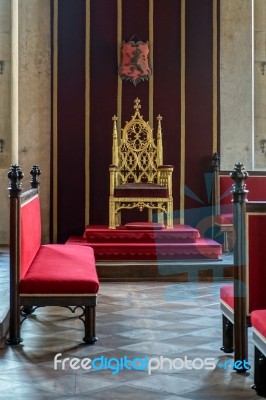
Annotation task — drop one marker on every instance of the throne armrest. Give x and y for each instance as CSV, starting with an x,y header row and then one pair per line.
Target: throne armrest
x,y
165,177
166,167
165,170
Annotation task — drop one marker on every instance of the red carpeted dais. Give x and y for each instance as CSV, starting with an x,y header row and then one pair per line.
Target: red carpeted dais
x,y
145,243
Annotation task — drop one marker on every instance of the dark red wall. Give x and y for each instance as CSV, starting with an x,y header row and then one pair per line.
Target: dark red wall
x,y
103,94
167,84
71,117
199,91
103,98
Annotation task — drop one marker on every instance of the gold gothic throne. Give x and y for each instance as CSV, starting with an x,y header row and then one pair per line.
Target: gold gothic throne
x,y
138,178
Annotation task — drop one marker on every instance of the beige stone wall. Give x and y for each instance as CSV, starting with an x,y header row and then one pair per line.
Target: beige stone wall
x,y
259,82
34,101
5,126
5,42
236,83
35,95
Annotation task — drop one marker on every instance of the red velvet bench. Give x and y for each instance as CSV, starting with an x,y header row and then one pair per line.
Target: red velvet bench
x,y
222,198
45,275
258,320
247,293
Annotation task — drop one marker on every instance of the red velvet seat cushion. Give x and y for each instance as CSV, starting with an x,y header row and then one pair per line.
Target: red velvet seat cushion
x,y
227,295
140,190
224,219
61,269
258,321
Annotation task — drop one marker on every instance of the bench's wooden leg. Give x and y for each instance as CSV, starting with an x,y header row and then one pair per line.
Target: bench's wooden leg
x,y
260,373
14,326
228,336
28,310
90,325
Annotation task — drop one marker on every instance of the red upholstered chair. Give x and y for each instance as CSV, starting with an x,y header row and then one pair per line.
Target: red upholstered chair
x,y
45,275
258,321
247,293
138,178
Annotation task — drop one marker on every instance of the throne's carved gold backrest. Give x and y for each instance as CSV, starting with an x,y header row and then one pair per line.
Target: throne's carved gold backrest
x,y
137,156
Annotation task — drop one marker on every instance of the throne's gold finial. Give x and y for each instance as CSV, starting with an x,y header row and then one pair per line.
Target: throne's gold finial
x,y
159,118
137,105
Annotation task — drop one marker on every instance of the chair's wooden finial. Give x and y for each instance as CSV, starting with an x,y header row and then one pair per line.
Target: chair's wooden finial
x,y
216,161
35,173
15,175
239,175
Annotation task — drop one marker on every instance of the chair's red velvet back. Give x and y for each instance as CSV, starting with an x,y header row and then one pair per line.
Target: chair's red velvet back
x,y
30,225
256,185
256,261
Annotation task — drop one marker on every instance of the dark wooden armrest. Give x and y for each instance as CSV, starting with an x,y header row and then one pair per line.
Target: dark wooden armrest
x,y
256,206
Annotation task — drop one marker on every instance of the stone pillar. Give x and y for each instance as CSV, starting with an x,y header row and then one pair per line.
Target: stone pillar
x,y
5,115
14,82
260,84
236,82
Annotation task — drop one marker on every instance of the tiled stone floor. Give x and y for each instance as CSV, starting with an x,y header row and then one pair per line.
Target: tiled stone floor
x,y
4,292
134,320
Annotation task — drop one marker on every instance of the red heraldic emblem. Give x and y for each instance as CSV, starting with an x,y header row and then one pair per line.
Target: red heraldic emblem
x,y
135,63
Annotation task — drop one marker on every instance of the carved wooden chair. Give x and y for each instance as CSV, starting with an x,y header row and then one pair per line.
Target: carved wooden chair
x,y
138,178
45,275
247,293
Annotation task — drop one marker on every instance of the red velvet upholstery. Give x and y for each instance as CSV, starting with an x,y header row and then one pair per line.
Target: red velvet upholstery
x,y
140,190
145,225
256,255
30,232
225,189
258,321
61,269
257,192
52,269
256,188
102,234
227,295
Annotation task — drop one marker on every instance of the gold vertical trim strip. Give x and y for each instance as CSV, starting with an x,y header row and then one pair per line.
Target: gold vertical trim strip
x,y
119,80
87,115
151,81
55,95
183,110
215,78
